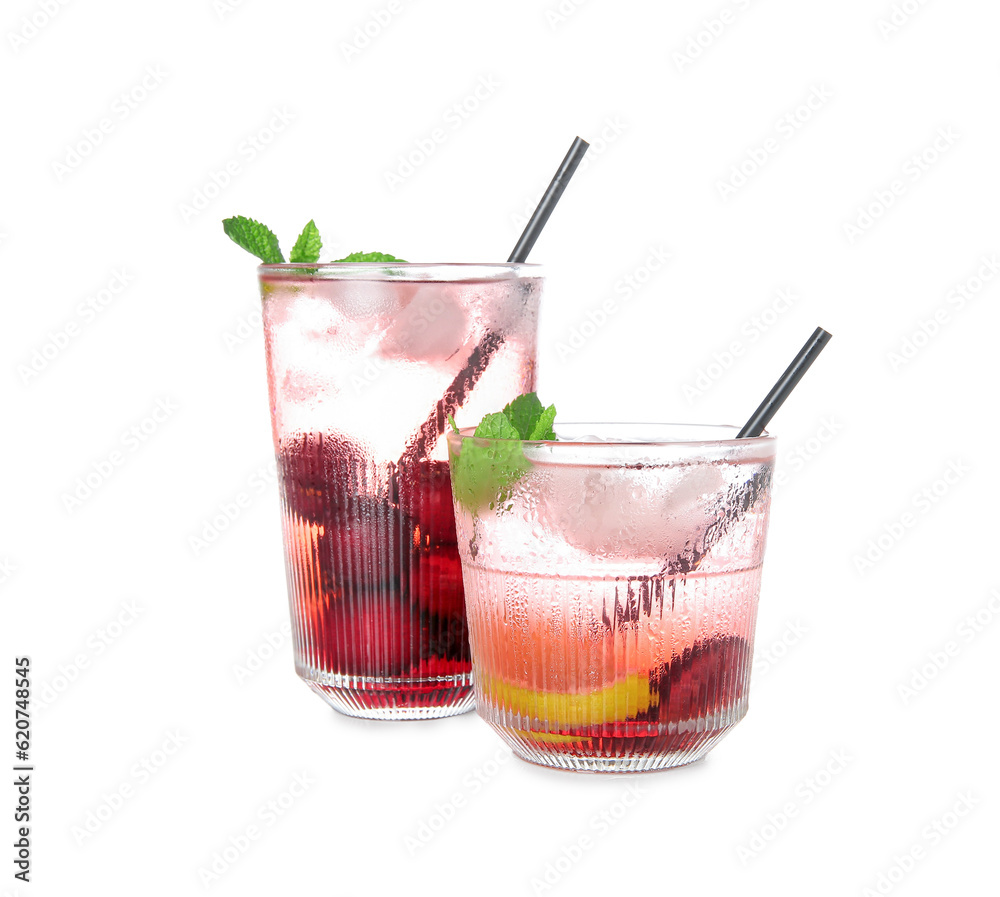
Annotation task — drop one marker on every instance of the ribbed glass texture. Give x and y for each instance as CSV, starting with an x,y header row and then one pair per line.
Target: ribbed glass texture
x,y
612,594
362,367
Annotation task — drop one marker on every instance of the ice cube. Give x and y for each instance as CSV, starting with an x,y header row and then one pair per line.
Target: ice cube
x,y
632,513
433,327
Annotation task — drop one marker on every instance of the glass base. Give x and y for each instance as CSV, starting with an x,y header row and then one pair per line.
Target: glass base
x,y
653,748
371,698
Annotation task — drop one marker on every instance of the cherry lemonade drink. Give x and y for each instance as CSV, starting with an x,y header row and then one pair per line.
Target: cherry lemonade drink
x,y
612,580
365,362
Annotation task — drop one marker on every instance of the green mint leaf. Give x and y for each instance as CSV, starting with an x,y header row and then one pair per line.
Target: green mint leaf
x,y
497,426
483,473
542,430
378,257
531,420
451,420
523,413
254,237
307,247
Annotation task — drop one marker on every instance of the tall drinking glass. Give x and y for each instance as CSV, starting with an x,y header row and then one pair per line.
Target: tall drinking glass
x,y
364,363
612,589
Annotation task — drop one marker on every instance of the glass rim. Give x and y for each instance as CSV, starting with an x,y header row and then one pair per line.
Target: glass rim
x,y
764,440
401,271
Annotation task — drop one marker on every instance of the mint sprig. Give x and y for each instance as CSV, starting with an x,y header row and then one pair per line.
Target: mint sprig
x,y
530,418
483,473
254,237
259,240
307,247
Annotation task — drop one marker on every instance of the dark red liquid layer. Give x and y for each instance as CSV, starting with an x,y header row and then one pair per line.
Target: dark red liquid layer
x,y
376,576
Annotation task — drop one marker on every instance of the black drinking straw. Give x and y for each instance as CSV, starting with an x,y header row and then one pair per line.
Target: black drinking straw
x,y
786,383
482,353
695,552
548,201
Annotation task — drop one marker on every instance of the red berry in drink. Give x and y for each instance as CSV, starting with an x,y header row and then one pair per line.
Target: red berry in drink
x,y
707,677
435,581
376,559
319,473
425,497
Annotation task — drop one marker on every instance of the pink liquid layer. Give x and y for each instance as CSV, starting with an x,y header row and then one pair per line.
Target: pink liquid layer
x,y
375,575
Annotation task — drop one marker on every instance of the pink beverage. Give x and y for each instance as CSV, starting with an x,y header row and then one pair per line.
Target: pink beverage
x,y
364,364
612,592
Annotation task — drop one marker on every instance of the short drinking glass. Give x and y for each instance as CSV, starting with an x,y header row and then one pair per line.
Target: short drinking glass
x,y
612,591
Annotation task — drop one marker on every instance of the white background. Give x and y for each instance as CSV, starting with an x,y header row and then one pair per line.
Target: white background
x,y
865,435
